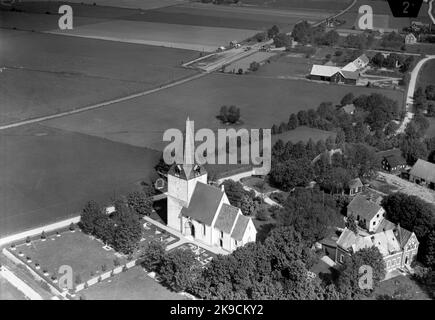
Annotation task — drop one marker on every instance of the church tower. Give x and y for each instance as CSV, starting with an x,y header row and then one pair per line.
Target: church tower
x,y
182,179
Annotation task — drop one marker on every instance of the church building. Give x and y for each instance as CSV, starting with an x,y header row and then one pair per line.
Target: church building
x,y
202,211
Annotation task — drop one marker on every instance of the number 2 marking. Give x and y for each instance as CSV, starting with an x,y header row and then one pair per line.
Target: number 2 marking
x,y
405,7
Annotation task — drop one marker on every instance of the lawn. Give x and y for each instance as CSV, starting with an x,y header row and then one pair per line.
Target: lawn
x,y
75,249
46,74
262,102
9,292
48,174
388,287
133,284
286,66
303,133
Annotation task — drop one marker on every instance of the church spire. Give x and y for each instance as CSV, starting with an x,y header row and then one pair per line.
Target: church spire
x,y
189,149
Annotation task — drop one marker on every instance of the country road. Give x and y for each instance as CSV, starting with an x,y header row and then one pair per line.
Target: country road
x,y
410,93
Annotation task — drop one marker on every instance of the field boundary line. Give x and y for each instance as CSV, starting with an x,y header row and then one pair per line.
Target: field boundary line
x,y
102,104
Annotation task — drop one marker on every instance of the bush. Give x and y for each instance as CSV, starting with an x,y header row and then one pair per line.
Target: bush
x,y
72,227
78,279
28,240
116,262
263,215
43,235
254,66
104,268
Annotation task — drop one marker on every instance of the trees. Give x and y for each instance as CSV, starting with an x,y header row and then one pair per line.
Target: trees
x,y
302,32
272,32
231,114
90,213
292,173
254,66
140,203
282,40
239,197
350,277
347,99
180,269
152,256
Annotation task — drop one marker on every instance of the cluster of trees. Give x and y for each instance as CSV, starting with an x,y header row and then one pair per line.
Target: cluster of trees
x,y
417,216
229,114
392,61
359,41
305,33
424,100
374,110
241,198
121,229
393,41
280,39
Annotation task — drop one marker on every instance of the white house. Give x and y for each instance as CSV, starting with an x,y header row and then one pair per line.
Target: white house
x,y
202,211
366,212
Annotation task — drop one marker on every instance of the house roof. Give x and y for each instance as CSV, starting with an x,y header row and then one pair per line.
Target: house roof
x,y
357,64
424,170
226,218
324,71
393,156
385,241
403,235
204,203
349,108
355,183
385,225
364,208
240,227
350,74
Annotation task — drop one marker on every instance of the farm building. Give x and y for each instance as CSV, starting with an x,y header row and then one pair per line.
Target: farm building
x,y
366,212
333,74
355,186
392,160
423,173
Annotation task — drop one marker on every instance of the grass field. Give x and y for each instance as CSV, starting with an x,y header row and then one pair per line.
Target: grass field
x,y
49,174
413,289
134,284
262,101
75,249
327,5
426,74
77,72
302,134
285,66
9,292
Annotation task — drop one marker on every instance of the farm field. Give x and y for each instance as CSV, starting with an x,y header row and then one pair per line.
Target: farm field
x,y
77,72
188,37
9,292
49,174
286,66
245,63
327,5
134,284
262,101
75,249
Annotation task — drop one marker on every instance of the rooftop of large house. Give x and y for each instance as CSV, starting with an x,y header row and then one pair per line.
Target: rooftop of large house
x,y
363,207
424,170
355,183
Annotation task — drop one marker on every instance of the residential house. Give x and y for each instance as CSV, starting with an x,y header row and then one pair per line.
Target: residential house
x,y
367,213
410,38
349,108
392,160
358,64
398,246
202,211
423,173
355,186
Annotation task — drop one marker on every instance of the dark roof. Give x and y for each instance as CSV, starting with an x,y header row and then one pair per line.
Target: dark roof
x,y
423,169
403,235
240,227
350,74
385,225
226,218
355,183
363,207
393,156
204,203
178,171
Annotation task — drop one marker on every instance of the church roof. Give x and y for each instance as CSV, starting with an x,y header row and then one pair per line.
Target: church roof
x,y
226,218
204,203
240,227
178,171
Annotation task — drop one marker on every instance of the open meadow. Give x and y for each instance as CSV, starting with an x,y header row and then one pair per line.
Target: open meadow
x,y
49,174
9,292
262,101
44,74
